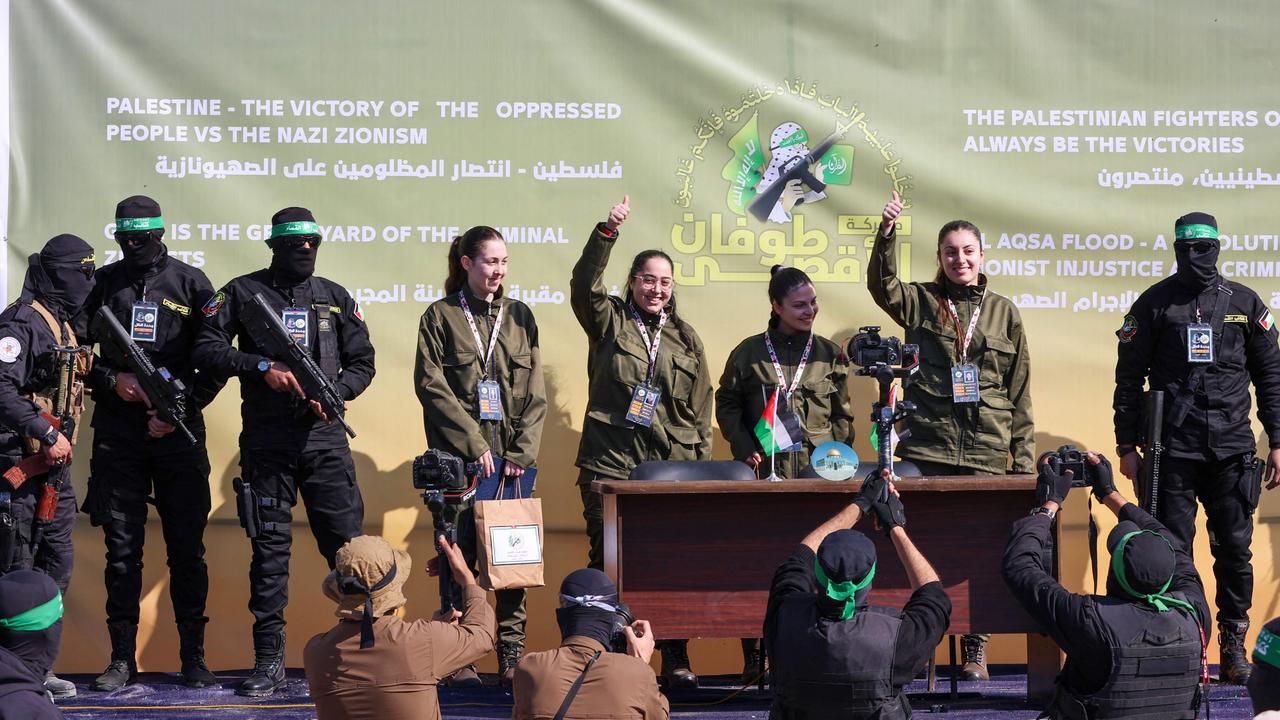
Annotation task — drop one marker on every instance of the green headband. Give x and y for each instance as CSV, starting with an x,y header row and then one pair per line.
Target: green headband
x,y
1267,650
37,618
1195,232
1157,599
135,224
301,227
842,591
795,138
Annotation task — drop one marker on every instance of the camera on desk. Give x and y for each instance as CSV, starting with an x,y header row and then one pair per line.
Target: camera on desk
x,y
1074,459
868,349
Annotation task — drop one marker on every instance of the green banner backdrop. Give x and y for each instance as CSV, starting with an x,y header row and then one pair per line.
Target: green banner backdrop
x,y
1071,133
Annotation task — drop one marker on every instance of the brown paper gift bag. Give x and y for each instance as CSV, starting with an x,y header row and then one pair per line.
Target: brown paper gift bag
x,y
509,543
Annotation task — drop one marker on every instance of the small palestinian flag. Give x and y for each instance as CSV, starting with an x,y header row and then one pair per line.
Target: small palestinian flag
x,y
1266,321
783,434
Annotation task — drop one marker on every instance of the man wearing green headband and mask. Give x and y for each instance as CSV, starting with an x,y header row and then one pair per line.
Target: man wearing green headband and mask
x,y
287,445
30,627
1136,651
137,455
831,654
1202,339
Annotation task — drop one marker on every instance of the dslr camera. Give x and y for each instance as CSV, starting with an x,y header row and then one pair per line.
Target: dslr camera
x,y
1074,459
621,621
444,480
868,349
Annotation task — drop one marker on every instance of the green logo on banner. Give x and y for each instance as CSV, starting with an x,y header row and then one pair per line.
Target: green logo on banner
x,y
743,170
837,165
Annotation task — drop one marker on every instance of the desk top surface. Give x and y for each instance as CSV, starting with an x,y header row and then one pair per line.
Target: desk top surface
x,y
953,483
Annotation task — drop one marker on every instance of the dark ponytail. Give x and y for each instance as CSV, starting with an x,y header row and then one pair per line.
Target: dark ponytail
x,y
466,245
685,332
782,281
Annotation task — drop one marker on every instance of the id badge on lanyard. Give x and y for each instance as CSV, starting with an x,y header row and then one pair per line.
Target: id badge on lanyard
x,y
964,376
1199,343
488,392
146,317
298,322
645,396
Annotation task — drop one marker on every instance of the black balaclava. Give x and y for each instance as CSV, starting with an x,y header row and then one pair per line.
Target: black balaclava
x,y
60,276
1197,269
138,219
589,602
30,618
844,567
294,265
1264,683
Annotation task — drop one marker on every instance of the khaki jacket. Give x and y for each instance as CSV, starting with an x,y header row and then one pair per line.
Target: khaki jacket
x,y
396,678
981,436
821,401
447,372
618,361
617,687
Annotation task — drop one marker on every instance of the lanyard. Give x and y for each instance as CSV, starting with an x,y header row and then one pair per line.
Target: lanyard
x,y
962,346
777,367
493,336
651,345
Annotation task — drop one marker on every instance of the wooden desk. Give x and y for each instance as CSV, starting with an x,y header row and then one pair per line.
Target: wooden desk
x,y
696,558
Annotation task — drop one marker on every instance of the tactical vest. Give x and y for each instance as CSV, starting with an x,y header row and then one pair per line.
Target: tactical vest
x,y
833,669
1155,667
326,328
44,397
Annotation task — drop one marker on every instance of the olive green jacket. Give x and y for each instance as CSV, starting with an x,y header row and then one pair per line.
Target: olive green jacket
x,y
821,401
983,435
448,369
618,360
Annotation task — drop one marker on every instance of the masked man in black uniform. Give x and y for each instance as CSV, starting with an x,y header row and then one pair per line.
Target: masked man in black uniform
x,y
831,654
36,338
287,446
1201,339
1136,651
138,457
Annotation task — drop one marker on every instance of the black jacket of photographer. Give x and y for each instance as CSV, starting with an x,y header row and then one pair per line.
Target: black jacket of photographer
x,y
1153,348
178,291
920,626
275,420
1075,621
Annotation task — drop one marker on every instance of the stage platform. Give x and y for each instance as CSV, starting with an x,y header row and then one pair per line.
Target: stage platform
x,y
159,696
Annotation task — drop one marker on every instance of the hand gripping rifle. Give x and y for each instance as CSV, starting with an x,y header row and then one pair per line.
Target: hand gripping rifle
x,y
63,411
267,331
167,394
797,169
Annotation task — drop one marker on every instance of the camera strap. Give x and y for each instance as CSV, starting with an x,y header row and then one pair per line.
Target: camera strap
x,y
651,345
577,685
486,352
777,366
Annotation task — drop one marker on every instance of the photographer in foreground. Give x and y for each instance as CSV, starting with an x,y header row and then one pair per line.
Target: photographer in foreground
x,y
374,663
973,392
1136,651
601,669
831,654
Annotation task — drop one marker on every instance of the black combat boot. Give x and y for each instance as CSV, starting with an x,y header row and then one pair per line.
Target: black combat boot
x,y
675,665
1234,665
508,657
195,674
123,668
268,666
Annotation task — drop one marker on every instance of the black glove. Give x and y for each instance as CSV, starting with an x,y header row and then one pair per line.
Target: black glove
x,y
1051,485
890,513
875,488
1103,484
